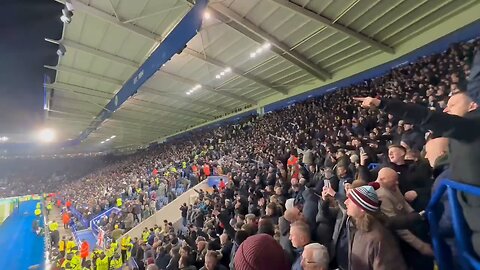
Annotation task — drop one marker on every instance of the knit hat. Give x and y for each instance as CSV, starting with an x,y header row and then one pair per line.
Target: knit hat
x,y
365,197
259,252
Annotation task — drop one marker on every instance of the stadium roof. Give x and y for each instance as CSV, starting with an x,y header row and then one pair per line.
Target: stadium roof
x,y
248,53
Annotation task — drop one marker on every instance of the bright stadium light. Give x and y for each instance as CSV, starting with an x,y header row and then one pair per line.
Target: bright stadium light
x,y
113,136
47,135
3,139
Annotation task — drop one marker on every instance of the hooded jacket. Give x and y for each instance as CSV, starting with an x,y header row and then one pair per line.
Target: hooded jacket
x,y
376,249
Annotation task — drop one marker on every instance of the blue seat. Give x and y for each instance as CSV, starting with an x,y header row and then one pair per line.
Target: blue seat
x,y
466,257
373,166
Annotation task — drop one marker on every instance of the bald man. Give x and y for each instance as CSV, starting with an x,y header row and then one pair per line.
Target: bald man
x,y
394,205
315,257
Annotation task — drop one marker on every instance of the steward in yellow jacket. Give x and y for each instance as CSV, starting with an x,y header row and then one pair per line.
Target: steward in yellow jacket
x,y
116,262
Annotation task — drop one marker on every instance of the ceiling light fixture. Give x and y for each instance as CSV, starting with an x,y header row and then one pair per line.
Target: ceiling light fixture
x,y
61,50
67,12
113,136
253,55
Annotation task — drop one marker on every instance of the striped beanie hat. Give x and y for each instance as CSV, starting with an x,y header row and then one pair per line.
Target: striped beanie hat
x,y
365,197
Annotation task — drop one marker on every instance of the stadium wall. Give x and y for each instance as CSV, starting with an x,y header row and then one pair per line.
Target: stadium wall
x,y
6,208
169,212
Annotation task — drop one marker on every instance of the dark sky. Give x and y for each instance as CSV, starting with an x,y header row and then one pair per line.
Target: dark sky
x,y
23,26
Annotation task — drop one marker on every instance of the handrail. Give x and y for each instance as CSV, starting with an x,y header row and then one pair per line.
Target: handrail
x,y
467,258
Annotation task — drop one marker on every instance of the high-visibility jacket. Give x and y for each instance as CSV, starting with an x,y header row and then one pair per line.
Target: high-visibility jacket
x,y
39,205
38,212
119,202
65,218
206,170
49,206
145,236
102,264
61,245
116,263
126,243
184,164
110,252
84,250
76,263
53,226
65,262
70,245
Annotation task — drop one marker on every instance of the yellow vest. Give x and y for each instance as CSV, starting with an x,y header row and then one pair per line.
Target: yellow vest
x,y
119,202
64,264
38,212
49,206
76,263
70,245
145,236
126,242
102,264
116,264
61,245
39,205
53,226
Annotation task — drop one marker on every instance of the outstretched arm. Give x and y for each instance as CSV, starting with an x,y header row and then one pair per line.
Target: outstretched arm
x,y
443,124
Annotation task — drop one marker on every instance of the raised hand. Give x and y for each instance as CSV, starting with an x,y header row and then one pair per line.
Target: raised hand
x,y
368,102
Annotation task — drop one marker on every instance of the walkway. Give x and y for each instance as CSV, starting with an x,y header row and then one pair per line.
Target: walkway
x,y
21,247
56,214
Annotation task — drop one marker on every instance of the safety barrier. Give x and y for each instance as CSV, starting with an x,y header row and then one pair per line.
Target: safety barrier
x,y
169,212
465,256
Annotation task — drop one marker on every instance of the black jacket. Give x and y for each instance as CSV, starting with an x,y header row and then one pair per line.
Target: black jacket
x,y
464,133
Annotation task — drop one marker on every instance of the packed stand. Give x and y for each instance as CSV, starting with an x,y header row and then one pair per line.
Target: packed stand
x,y
333,182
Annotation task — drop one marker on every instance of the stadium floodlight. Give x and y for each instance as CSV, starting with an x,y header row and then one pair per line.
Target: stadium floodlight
x,y
207,15
61,50
113,136
3,139
47,135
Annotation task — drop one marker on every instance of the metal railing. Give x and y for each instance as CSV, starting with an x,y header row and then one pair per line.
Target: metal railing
x,y
466,257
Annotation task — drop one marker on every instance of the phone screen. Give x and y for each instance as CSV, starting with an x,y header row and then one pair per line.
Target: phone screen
x,y
326,183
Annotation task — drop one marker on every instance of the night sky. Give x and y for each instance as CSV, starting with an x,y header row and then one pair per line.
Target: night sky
x,y
23,26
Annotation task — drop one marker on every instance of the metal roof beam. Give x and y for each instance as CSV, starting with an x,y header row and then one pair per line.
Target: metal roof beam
x,y
334,25
109,18
183,98
254,32
210,89
136,120
77,88
235,70
169,109
85,74
95,52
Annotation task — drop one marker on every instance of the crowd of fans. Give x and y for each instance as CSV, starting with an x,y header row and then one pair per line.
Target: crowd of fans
x,y
332,182
26,176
